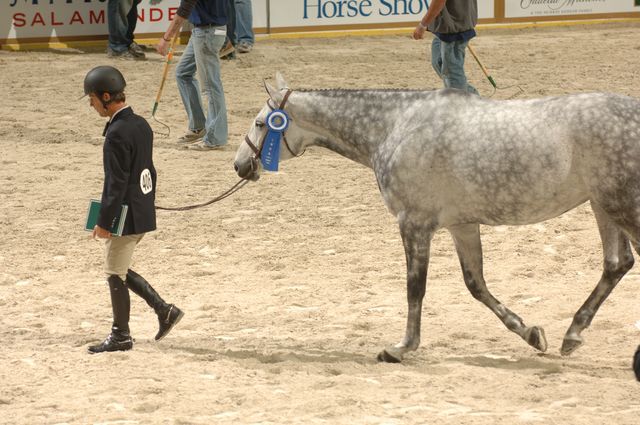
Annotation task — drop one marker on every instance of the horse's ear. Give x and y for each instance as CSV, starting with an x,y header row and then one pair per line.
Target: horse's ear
x,y
280,81
274,93
269,88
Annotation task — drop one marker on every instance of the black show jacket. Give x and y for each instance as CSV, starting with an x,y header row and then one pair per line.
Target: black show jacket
x,y
129,174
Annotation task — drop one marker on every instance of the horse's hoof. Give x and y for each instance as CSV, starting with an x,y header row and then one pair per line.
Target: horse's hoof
x,y
636,363
390,355
569,345
535,337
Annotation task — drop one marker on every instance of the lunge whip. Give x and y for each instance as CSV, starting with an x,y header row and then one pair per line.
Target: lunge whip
x,y
490,78
164,78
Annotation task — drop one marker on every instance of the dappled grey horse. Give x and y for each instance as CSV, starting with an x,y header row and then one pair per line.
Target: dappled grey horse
x,y
447,159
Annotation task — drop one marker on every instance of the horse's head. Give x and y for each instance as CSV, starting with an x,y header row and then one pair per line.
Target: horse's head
x,y
273,120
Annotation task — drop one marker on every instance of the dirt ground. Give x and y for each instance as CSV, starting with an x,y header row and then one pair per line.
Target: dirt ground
x,y
294,284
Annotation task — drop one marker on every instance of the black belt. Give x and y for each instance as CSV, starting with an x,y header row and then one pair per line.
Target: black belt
x,y
206,25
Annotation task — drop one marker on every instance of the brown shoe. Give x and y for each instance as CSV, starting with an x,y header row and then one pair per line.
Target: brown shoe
x,y
227,49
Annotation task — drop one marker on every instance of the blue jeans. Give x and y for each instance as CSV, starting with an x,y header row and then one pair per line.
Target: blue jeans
x,y
447,58
122,17
231,22
244,22
201,57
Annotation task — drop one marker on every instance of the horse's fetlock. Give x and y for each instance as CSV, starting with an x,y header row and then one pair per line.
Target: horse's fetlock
x,y
513,323
583,318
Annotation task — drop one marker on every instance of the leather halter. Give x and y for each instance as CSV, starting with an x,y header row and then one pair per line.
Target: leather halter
x,y
258,151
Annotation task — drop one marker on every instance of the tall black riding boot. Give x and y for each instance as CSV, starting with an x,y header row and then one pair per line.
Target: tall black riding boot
x,y
168,314
119,339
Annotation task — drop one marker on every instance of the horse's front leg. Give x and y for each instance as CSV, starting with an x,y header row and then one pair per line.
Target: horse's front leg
x,y
469,248
416,243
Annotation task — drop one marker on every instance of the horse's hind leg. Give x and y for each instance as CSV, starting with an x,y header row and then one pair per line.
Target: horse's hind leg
x,y
469,247
618,259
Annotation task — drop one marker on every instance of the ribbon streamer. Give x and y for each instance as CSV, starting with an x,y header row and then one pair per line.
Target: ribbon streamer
x,y
277,123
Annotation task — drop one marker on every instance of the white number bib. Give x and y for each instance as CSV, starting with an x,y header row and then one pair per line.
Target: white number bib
x,y
146,182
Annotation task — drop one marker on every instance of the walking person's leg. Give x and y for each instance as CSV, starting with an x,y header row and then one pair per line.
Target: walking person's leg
x,y
168,314
189,90
132,18
244,26
132,21
453,55
118,26
206,43
118,254
227,50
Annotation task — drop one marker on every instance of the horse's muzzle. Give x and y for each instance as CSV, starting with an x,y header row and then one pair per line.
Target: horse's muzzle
x,y
247,169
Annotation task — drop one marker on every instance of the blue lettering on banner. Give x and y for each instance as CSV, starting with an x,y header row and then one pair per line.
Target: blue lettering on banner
x,y
337,8
331,9
403,7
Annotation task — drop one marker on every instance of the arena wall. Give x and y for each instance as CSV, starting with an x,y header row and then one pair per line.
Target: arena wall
x,y
48,23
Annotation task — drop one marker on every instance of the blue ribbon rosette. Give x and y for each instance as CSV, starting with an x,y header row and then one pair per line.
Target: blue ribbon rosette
x,y
277,123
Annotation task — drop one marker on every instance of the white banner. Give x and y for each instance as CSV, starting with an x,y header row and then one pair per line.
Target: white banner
x,y
538,8
309,13
42,20
259,11
24,19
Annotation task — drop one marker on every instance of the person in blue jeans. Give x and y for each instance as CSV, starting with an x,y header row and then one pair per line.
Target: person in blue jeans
x,y
228,50
200,58
244,26
453,24
122,17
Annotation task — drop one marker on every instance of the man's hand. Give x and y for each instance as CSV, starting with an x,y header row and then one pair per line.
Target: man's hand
x,y
418,33
163,47
174,28
100,233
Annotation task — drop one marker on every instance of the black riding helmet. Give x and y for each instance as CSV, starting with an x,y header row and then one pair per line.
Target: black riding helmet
x,y
104,79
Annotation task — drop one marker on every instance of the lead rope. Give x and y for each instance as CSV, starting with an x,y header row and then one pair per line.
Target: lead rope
x,y
236,187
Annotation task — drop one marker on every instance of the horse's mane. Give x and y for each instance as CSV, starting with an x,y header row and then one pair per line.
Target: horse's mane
x,y
340,89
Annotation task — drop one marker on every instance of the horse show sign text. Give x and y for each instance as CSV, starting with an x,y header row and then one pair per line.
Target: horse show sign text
x,y
336,14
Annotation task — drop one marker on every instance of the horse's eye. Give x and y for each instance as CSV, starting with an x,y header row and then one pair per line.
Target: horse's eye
x,y
259,124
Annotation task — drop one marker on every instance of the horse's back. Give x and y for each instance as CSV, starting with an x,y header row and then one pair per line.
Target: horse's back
x,y
519,161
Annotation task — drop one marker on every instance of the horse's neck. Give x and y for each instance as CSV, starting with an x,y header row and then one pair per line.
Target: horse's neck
x,y
350,123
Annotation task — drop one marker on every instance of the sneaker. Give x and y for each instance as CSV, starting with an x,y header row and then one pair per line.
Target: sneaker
x,y
202,146
136,51
244,47
191,136
227,49
126,54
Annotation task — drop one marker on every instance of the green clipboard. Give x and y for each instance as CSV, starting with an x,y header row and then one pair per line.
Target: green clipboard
x,y
94,211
